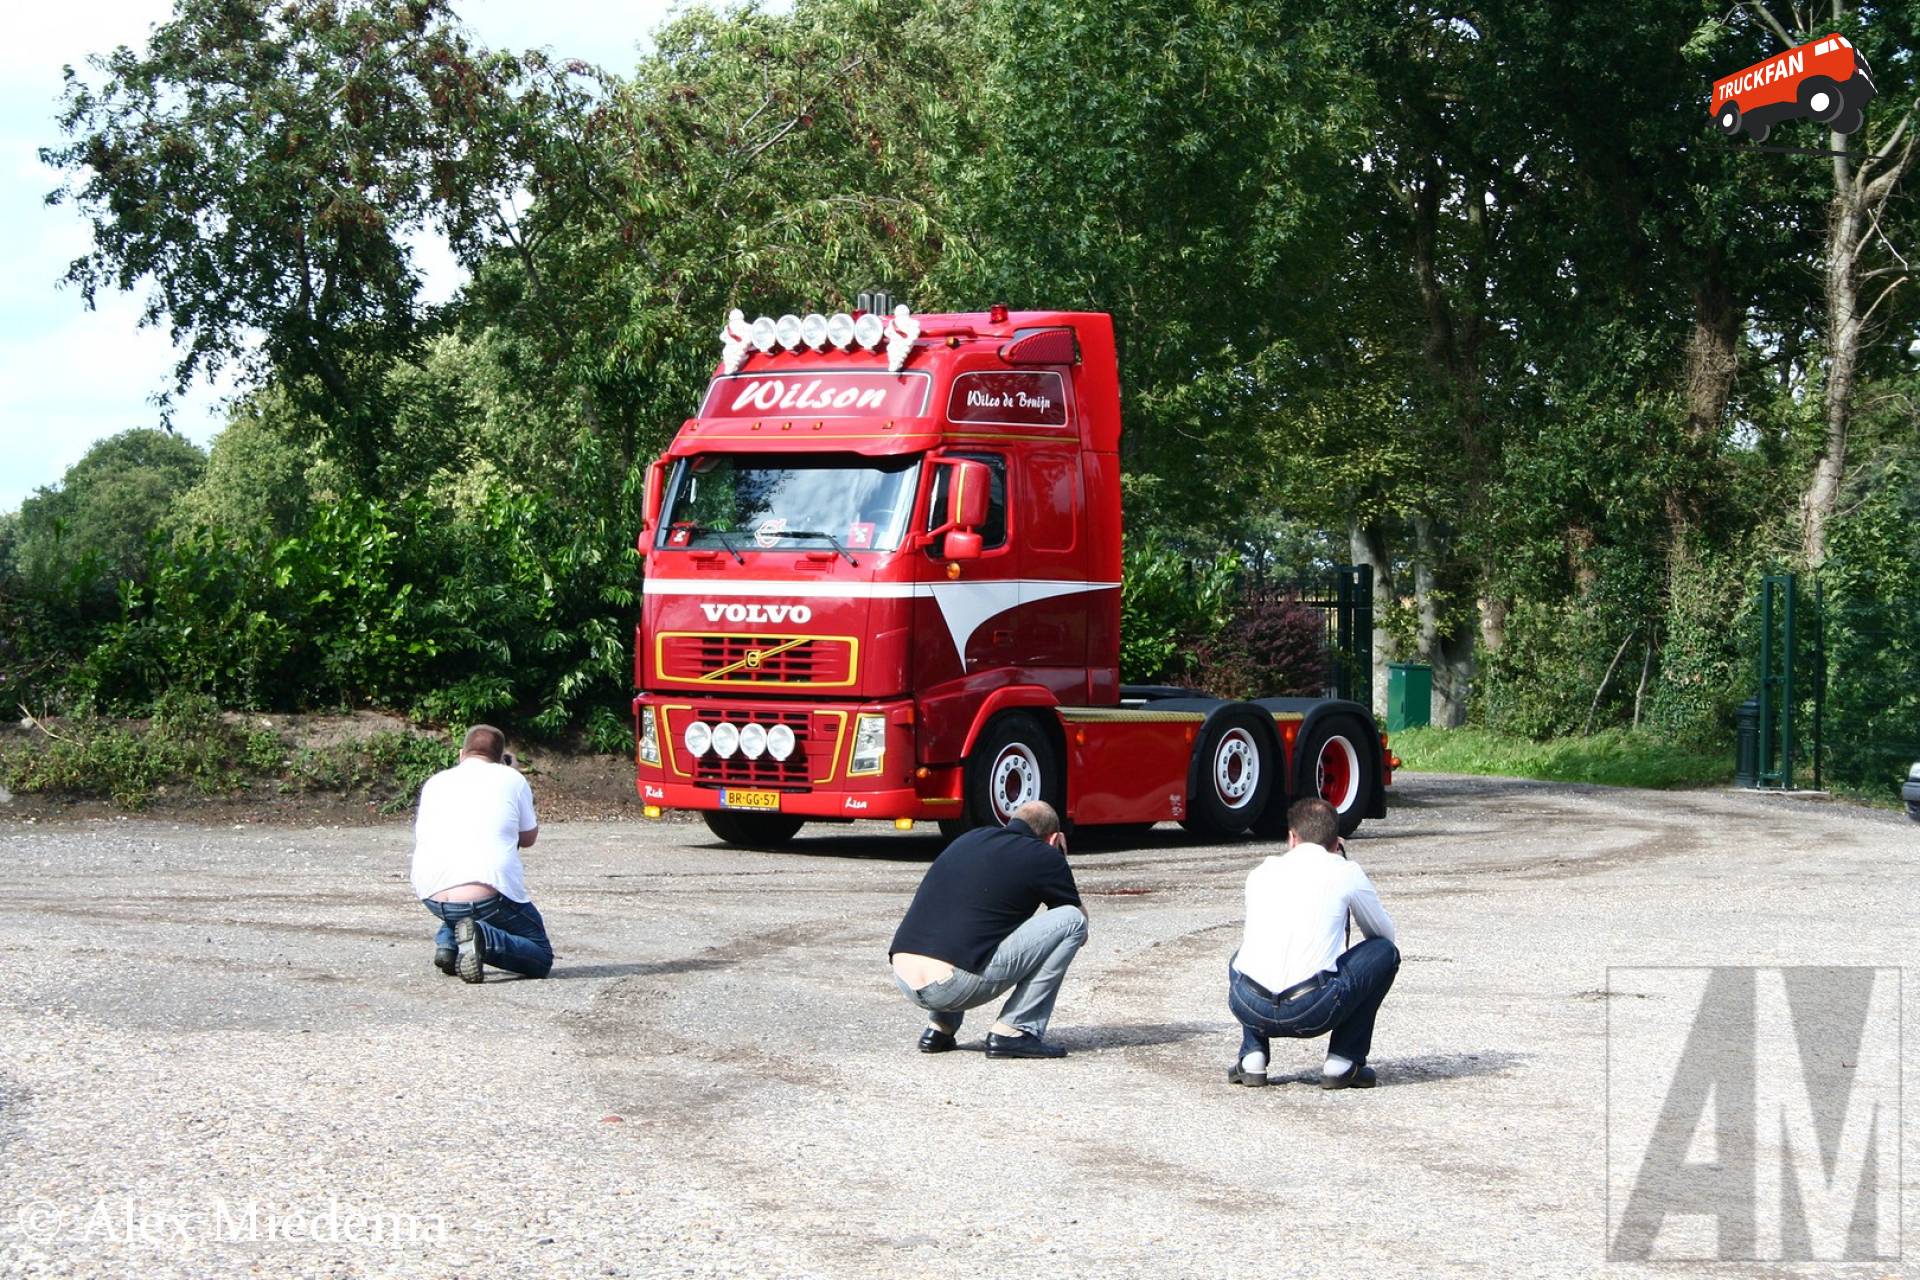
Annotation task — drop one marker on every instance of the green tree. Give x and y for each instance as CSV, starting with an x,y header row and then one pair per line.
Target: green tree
x,y
93,528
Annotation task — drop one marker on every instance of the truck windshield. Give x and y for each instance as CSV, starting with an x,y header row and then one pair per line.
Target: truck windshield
x,y
762,501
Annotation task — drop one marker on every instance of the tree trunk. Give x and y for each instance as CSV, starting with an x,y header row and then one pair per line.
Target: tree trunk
x,y
1822,494
1450,655
1368,546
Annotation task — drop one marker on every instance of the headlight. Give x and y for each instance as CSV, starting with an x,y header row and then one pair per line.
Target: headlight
x,y
649,738
753,741
869,744
780,742
726,739
699,738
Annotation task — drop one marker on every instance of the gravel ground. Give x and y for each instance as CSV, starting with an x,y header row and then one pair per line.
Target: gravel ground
x,y
223,1051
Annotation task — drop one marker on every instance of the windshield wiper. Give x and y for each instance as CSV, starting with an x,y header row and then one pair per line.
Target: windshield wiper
x,y
699,529
817,533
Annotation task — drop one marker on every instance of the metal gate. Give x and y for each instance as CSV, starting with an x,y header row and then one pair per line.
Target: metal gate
x,y
1792,680
1344,597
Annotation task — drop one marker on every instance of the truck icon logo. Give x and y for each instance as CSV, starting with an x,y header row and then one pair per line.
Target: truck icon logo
x,y
1827,81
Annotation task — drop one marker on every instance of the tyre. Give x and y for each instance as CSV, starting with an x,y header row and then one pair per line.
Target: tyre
x,y
752,830
1758,130
1821,99
1848,121
1336,762
1013,762
1232,774
1728,120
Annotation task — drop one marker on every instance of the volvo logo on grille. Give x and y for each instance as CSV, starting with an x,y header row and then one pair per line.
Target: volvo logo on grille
x,y
756,612
753,658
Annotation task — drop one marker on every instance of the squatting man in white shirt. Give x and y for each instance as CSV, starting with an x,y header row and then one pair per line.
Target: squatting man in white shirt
x,y
1290,977
474,820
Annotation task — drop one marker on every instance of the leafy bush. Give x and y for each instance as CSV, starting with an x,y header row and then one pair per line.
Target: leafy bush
x,y
1270,647
1168,604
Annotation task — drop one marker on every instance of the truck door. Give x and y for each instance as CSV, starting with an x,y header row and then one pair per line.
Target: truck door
x,y
975,622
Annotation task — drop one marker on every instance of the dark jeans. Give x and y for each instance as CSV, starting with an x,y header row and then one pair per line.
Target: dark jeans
x,y
1345,1005
512,934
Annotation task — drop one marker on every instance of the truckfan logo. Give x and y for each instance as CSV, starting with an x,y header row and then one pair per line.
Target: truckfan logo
x,y
798,613
1826,80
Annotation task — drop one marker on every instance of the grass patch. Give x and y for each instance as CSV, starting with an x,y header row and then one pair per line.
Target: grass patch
x,y
1615,758
189,747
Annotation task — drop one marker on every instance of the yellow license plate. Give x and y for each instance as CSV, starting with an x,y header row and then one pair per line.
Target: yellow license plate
x,y
731,799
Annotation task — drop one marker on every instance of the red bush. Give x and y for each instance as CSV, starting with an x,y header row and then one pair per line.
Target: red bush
x,y
1272,647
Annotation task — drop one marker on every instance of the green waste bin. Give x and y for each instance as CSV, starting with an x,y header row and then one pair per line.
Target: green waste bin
x,y
1409,696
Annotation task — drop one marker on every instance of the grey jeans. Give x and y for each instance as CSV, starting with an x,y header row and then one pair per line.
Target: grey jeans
x,y
1033,961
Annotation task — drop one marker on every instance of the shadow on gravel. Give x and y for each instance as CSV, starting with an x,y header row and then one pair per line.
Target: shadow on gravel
x,y
636,969
1427,1068
1133,1036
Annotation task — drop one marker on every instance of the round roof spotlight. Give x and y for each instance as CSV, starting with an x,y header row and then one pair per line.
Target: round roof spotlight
x,y
813,330
787,331
840,329
869,329
763,333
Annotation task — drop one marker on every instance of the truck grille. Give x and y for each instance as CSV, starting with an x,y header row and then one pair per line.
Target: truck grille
x,y
795,773
760,661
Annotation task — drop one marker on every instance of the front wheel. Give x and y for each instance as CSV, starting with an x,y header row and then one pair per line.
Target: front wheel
x,y
1728,121
1335,763
753,830
1013,763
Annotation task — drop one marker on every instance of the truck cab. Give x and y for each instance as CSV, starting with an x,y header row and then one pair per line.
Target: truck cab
x,y
883,581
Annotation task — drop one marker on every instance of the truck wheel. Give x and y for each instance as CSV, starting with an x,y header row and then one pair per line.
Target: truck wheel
x,y
753,830
1233,774
1848,121
1728,120
1336,764
1821,99
1013,762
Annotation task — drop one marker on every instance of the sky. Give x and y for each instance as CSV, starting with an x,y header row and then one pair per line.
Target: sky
x,y
69,376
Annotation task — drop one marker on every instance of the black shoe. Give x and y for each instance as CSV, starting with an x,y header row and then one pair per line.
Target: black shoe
x,y
1252,1079
466,936
444,959
999,1046
934,1040
1360,1077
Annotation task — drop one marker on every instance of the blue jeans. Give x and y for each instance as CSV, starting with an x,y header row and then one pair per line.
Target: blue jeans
x,y
1345,1005
1033,960
512,934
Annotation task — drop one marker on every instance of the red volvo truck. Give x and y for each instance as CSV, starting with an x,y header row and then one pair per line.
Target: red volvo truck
x,y
883,582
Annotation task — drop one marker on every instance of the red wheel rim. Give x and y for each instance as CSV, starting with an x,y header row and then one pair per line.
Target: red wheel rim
x,y
1338,773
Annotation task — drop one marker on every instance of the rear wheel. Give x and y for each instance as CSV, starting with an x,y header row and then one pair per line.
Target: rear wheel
x,y
1848,121
1335,764
1821,98
1014,762
1232,776
754,830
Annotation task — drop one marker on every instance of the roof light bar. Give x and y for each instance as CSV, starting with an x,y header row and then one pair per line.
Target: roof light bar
x,y
869,330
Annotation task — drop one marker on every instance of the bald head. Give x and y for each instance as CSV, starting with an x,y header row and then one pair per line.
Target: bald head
x,y
1039,817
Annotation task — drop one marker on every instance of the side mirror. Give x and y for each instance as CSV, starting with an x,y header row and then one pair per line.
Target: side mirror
x,y
656,493
961,544
967,498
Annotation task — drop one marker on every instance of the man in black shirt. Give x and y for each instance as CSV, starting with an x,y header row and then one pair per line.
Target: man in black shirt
x,y
971,933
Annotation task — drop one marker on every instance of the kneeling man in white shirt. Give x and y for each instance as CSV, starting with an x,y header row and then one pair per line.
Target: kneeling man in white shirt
x,y
474,820
1290,977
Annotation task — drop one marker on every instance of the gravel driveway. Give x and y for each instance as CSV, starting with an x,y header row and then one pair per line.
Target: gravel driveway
x,y
223,1051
